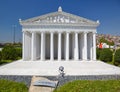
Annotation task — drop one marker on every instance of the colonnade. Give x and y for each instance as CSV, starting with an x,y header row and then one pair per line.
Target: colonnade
x,y
70,46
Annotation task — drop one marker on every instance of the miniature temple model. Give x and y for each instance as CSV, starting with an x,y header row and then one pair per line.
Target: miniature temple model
x,y
59,36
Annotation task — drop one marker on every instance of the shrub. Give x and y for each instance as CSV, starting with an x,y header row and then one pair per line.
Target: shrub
x,y
98,53
106,55
19,52
9,53
0,56
117,57
11,86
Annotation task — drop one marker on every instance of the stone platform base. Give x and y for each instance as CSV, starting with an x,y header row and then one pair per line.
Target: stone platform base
x,y
51,68
22,71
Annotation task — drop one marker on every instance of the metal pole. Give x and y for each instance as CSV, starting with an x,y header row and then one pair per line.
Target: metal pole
x,y
14,34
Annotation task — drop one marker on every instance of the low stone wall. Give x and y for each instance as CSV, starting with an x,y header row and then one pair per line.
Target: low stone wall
x,y
27,79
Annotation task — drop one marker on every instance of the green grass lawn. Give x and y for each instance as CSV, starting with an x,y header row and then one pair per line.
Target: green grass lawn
x,y
11,86
90,86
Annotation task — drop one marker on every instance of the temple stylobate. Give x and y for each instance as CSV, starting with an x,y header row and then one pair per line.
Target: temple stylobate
x,y
59,36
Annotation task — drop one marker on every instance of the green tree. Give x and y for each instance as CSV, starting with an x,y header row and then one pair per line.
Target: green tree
x,y
103,40
117,57
110,43
106,55
9,53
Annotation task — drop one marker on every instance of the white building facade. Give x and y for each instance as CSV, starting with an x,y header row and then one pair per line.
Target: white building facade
x,y
59,36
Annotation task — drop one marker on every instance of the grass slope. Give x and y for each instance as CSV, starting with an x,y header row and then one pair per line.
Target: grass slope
x,y
11,86
90,86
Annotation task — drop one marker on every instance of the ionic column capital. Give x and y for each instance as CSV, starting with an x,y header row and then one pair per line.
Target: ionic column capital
x,y
51,32
42,32
76,33
67,32
59,32
85,32
25,32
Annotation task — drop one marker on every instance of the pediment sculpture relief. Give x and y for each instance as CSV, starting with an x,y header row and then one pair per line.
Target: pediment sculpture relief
x,y
57,19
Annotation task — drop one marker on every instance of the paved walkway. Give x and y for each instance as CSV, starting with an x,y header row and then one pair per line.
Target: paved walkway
x,y
50,68
39,88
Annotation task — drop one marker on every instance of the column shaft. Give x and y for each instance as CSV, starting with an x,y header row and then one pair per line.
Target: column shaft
x,y
76,50
85,46
94,46
42,46
51,46
59,46
91,46
23,46
33,47
67,46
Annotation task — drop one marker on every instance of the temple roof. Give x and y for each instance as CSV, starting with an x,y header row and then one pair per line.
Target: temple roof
x,y
59,17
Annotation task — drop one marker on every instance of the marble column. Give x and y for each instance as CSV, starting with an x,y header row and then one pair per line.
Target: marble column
x,y
67,46
76,49
42,46
85,46
23,46
52,46
90,45
94,46
59,46
33,47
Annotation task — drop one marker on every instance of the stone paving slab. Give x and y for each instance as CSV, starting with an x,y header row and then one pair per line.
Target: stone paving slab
x,y
50,68
39,88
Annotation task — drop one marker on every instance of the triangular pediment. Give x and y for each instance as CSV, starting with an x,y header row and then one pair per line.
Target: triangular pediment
x,y
59,17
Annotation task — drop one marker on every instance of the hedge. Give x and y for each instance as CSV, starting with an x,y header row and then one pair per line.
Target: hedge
x,y
9,53
117,57
98,53
106,55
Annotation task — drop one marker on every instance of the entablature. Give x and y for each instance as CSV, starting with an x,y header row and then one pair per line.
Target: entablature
x,y
63,30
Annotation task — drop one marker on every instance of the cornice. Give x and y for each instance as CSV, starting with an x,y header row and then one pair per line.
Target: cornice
x,y
59,27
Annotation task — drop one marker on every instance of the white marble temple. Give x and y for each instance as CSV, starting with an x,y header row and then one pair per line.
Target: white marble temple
x,y
59,36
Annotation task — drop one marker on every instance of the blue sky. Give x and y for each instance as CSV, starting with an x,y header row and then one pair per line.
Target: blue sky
x,y
106,11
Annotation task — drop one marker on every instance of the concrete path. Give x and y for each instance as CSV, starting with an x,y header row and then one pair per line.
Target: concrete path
x,y
39,88
50,68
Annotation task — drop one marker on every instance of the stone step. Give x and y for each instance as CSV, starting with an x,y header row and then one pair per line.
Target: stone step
x,y
40,88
